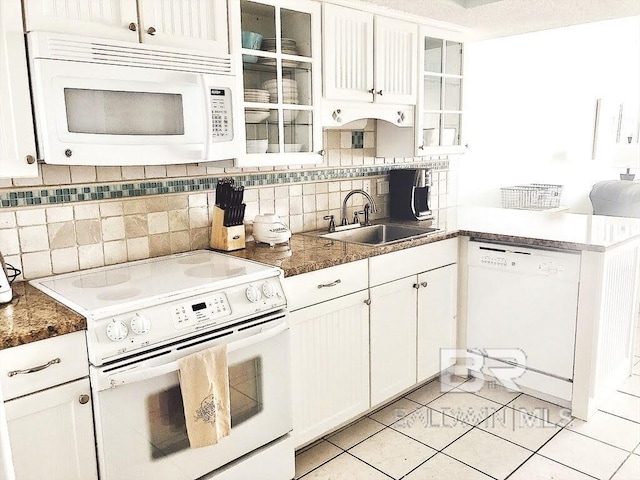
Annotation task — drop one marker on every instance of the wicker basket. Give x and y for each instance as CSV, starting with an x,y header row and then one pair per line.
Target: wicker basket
x,y
534,196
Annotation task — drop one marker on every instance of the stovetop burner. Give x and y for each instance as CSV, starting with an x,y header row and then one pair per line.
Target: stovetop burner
x,y
147,281
138,306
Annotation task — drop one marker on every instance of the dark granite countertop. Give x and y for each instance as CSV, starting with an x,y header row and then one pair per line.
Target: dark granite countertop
x,y
32,315
547,229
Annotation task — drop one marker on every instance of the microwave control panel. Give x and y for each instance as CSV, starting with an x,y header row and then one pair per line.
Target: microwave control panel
x,y
221,114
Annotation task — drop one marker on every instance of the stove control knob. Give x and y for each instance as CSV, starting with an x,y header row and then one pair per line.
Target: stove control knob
x,y
117,330
140,324
268,290
253,294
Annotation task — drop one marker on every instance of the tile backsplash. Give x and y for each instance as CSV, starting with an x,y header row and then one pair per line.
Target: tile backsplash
x,y
72,218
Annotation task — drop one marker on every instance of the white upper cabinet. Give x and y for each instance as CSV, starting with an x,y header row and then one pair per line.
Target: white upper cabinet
x,y
191,24
395,61
438,115
368,58
117,19
348,54
281,76
17,139
439,119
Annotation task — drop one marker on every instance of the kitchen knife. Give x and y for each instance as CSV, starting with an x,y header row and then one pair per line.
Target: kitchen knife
x,y
242,209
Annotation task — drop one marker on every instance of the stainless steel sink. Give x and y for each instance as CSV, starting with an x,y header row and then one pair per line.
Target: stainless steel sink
x,y
382,234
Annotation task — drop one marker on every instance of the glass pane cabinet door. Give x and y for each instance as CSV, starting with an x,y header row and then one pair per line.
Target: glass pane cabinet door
x,y
278,68
442,89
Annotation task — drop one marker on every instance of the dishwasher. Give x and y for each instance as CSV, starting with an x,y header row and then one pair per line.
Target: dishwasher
x,y
526,299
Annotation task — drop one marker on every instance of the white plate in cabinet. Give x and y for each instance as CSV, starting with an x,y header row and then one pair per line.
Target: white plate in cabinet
x,y
38,365
326,284
368,58
391,266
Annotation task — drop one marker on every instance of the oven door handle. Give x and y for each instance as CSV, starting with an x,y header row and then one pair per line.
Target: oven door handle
x,y
135,375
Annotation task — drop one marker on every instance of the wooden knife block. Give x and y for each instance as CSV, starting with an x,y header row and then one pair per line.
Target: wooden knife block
x,y
225,238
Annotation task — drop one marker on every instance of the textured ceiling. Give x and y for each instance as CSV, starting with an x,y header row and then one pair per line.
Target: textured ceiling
x,y
509,17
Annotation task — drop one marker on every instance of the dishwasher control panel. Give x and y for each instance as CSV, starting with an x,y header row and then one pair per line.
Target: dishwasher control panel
x,y
524,260
493,260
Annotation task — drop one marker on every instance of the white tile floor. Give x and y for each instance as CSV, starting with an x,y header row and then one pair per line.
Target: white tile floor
x,y
453,433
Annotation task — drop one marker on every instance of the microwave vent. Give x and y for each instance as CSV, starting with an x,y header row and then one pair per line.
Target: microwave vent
x,y
111,52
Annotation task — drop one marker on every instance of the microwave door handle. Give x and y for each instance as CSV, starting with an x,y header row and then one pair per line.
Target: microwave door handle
x,y
208,120
135,375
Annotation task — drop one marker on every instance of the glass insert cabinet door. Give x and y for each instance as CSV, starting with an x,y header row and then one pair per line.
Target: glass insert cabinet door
x,y
281,78
441,104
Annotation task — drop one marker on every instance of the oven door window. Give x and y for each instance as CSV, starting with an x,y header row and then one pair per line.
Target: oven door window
x,y
109,112
140,425
166,423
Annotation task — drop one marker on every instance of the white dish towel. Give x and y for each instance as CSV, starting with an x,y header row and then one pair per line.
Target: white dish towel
x,y
204,382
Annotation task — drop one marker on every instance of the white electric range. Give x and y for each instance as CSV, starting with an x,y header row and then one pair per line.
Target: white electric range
x,y
142,317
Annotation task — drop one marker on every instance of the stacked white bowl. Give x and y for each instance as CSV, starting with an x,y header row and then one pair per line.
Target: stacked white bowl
x,y
256,95
289,96
257,146
289,90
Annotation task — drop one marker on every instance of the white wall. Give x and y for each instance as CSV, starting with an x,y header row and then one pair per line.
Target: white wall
x,y
530,103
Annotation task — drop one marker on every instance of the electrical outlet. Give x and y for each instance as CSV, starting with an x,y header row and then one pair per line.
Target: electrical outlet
x,y
383,187
366,186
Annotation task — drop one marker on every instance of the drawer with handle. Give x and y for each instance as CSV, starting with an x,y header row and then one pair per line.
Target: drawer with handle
x,y
326,284
38,365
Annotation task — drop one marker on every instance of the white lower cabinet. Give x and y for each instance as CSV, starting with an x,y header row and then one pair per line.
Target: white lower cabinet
x,y
330,362
413,317
437,319
393,338
365,331
51,433
48,407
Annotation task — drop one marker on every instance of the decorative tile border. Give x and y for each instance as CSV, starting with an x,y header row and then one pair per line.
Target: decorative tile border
x,y
56,195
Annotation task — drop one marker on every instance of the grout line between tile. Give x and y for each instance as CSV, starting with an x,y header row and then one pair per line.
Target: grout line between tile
x,y
368,464
323,463
619,416
620,466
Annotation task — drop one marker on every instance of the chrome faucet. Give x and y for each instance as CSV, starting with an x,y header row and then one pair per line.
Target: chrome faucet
x,y
369,198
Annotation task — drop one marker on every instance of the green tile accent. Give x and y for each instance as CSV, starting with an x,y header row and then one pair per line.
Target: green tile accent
x,y
83,193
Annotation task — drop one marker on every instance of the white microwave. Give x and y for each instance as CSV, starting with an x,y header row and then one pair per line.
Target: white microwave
x,y
111,103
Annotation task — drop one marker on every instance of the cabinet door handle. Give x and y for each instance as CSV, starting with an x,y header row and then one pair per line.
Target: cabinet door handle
x,y
84,398
30,159
379,92
133,27
424,284
373,91
416,286
13,373
332,284
367,301
151,31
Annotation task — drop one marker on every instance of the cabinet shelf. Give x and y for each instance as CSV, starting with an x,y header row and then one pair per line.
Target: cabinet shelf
x,y
290,74
269,63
